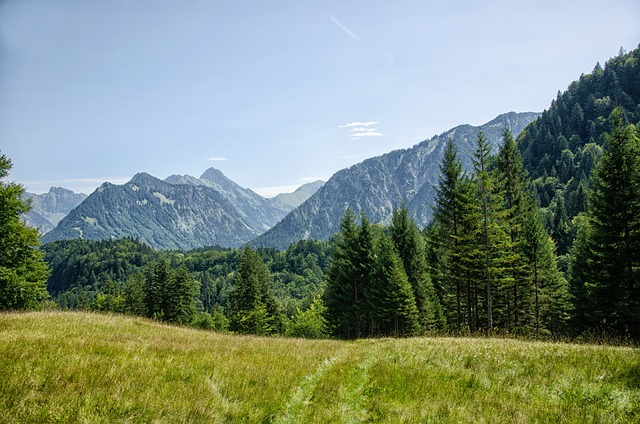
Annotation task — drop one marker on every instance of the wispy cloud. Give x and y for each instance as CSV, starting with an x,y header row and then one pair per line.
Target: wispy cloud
x,y
359,124
359,130
344,28
217,159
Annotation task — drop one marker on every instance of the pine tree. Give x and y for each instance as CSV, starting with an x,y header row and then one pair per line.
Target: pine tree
x,y
23,272
152,294
364,264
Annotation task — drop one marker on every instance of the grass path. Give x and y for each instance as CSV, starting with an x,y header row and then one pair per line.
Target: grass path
x,y
79,367
303,394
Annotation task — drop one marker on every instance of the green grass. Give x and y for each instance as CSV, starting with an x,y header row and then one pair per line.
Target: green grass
x,y
79,367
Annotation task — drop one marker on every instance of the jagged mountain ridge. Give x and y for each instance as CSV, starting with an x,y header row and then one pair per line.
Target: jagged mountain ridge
x,y
380,184
259,213
180,212
48,209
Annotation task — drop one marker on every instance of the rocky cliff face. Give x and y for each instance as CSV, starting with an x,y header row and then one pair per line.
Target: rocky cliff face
x,y
378,185
49,208
259,213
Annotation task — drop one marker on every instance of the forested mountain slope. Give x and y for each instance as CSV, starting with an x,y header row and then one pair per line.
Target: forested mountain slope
x,y
561,148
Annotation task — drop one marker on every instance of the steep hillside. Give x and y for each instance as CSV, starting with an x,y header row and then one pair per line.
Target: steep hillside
x,y
49,208
561,148
378,185
163,215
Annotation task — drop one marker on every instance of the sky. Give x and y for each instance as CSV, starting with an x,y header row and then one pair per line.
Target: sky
x,y
274,93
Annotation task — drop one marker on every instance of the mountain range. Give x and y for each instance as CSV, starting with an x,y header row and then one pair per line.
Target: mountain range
x,y
180,212
185,212
380,184
48,209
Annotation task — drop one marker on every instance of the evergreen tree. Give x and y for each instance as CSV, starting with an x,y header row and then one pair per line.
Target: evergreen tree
x,y
448,215
253,309
341,295
134,294
410,245
395,310
551,304
23,272
613,247
494,250
366,294
180,305
512,180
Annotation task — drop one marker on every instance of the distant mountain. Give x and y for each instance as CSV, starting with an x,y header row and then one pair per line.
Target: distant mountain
x,y
181,212
259,213
291,201
49,208
380,184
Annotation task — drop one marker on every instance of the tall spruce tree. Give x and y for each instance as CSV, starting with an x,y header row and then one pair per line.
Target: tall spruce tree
x,y
410,245
448,216
394,308
494,252
341,297
512,181
613,247
353,295
23,272
551,304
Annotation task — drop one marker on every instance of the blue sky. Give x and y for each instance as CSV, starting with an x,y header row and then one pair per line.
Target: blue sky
x,y
274,93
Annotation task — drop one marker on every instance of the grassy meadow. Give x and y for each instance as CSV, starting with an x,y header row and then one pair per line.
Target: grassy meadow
x,y
81,367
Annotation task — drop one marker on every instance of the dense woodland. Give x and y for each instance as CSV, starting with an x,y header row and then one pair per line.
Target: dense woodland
x,y
542,238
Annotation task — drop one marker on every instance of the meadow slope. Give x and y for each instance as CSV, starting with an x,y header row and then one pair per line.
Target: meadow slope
x,y
81,367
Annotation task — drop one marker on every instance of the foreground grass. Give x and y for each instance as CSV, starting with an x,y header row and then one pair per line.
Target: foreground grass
x,y
78,367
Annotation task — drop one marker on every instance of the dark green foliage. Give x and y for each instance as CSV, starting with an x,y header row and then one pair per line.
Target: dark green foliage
x,y
368,292
169,295
493,247
393,305
134,295
347,279
561,148
23,272
80,263
445,232
410,245
490,255
607,258
253,308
